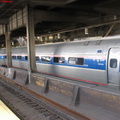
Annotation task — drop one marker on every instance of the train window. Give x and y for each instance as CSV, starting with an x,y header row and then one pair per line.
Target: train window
x,y
72,60
59,60
19,57
37,58
13,57
45,59
5,57
76,61
26,57
113,63
79,61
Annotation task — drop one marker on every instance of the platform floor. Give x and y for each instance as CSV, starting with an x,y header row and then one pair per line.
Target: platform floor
x,y
6,113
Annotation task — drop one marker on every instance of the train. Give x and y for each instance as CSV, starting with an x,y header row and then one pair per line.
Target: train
x,y
92,61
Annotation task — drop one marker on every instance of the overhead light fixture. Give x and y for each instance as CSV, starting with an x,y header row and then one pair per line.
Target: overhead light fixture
x,y
12,43
115,17
58,35
86,31
38,37
50,37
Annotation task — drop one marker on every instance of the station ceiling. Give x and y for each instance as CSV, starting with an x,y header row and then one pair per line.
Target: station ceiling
x,y
86,10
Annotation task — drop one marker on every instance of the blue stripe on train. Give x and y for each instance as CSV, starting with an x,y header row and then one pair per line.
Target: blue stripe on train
x,y
99,64
88,63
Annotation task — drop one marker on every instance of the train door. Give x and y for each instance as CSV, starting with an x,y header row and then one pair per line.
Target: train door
x,y
113,66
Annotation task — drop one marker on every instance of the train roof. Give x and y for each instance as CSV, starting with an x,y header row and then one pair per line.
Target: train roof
x,y
85,40
79,41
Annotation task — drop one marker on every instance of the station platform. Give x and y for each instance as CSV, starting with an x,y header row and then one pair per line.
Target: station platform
x,y
93,101
6,113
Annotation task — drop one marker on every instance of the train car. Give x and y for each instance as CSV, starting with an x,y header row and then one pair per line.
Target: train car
x,y
91,61
3,57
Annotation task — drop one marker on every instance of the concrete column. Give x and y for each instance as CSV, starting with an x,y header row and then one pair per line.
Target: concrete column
x,y
30,41
8,47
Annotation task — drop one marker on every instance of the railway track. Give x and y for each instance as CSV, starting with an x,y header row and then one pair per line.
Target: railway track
x,y
46,111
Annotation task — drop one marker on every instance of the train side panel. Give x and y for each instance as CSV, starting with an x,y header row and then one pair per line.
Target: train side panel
x,y
2,57
86,61
20,63
91,71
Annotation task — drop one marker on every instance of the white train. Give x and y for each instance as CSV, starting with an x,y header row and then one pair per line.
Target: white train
x,y
92,61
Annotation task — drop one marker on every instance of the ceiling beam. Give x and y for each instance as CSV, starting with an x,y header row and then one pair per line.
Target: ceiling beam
x,y
50,2
65,3
70,1
107,2
108,10
41,15
109,7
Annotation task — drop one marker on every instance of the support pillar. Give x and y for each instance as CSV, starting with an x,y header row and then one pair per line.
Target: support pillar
x,y
8,47
30,41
